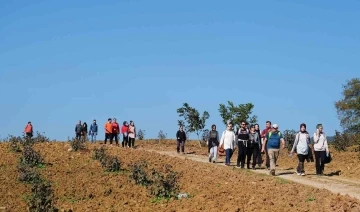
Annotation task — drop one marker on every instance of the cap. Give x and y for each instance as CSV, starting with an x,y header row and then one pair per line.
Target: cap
x,y
275,126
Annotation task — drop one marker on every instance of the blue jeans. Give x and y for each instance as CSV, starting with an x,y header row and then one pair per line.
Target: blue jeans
x,y
93,138
229,153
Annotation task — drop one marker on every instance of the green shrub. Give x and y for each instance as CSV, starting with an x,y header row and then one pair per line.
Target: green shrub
x,y
30,157
139,174
165,184
28,175
111,163
342,141
41,198
99,153
77,144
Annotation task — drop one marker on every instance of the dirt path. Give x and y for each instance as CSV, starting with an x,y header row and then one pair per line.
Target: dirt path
x,y
334,184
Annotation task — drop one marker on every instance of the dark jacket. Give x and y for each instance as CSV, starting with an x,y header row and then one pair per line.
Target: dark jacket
x,y
213,139
93,128
78,128
181,136
84,128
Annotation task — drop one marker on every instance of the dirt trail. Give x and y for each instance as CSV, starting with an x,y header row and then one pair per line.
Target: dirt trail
x,y
334,184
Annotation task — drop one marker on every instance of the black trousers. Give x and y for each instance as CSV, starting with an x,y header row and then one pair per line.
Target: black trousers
x,y
107,136
114,136
125,141
252,152
319,161
300,167
29,134
242,151
78,136
180,144
131,142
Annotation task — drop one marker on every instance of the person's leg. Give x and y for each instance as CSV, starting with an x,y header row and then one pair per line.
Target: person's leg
x,y
267,158
273,153
255,153
215,153
317,162
238,160
301,164
117,139
211,154
177,146
111,138
106,137
322,161
249,155
228,156
133,143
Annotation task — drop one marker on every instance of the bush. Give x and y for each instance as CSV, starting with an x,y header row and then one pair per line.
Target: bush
x,y
99,153
77,144
139,174
162,135
165,185
111,163
141,134
342,141
40,138
289,137
14,143
30,157
28,174
41,198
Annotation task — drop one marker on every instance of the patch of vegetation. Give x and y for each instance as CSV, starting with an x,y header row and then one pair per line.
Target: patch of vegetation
x,y
342,141
141,134
165,184
139,174
77,144
111,163
40,138
282,180
162,135
41,198
28,174
99,153
310,199
289,137
14,143
31,157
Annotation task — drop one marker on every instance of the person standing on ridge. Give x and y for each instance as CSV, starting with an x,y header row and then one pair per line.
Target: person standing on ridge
x,y
124,132
115,132
180,140
78,130
84,132
132,135
93,131
213,143
242,138
253,148
108,130
301,146
321,149
227,142
29,131
263,135
272,141
259,158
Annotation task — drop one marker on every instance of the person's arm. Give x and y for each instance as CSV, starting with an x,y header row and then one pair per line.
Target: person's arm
x,y
75,128
264,143
118,129
222,139
177,135
326,144
316,137
208,138
296,141
234,141
217,136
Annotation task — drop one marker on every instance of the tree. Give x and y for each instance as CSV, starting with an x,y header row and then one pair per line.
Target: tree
x,y
162,135
348,108
289,137
236,114
192,120
141,134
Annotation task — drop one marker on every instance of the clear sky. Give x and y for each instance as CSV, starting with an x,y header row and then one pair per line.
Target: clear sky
x,y
61,61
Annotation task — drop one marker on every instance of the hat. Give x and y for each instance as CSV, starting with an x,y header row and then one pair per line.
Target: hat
x,y
275,126
318,126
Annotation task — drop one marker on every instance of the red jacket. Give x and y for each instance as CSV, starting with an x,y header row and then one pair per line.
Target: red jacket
x,y
124,129
263,133
115,128
28,128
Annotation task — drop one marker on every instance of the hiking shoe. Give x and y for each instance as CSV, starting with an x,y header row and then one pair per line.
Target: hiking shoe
x,y
214,161
298,173
272,172
303,174
253,168
209,160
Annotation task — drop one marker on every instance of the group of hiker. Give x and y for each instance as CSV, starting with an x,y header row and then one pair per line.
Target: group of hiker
x,y
252,143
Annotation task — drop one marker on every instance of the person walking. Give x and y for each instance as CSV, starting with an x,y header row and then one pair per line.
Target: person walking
x,y
301,146
108,130
321,149
115,132
132,135
124,132
29,131
242,138
78,130
180,140
93,131
84,132
263,135
272,142
253,147
227,142
259,159
213,143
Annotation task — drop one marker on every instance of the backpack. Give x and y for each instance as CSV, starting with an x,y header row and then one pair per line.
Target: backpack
x,y
269,136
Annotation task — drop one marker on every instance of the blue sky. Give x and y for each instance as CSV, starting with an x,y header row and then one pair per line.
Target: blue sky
x,y
61,61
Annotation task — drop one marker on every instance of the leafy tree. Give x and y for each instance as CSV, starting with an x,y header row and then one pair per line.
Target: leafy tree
x,y
141,134
162,135
192,120
236,114
289,137
348,108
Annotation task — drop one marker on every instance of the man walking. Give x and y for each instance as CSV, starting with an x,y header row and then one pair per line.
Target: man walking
x,y
115,132
242,138
108,130
263,134
93,131
78,130
180,140
272,141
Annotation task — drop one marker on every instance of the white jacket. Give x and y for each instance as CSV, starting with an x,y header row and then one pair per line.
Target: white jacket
x,y
320,143
228,139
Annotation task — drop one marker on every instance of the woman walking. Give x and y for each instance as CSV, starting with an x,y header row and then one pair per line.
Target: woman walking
x,y
301,146
253,147
213,143
132,135
124,132
84,132
321,149
259,159
227,142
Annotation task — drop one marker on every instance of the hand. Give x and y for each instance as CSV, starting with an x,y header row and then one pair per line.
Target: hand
x,y
292,152
262,150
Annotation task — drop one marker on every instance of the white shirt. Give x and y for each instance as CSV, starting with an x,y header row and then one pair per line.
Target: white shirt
x,y
228,139
320,142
